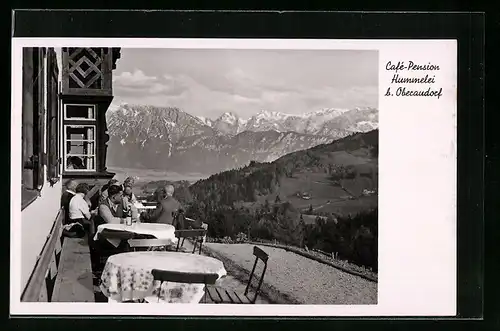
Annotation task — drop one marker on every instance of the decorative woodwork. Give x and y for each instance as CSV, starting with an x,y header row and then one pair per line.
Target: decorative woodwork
x,y
87,80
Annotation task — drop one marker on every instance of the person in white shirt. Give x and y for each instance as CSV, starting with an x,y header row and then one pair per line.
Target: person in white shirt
x,y
78,207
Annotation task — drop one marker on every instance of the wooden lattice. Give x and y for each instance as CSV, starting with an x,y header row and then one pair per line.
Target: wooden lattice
x,y
85,67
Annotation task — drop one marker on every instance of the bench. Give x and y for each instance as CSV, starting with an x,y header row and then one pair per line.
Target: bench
x,y
74,277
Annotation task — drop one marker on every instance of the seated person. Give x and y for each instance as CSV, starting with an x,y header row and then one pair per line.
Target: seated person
x,y
166,208
104,189
79,208
129,181
111,210
66,198
128,195
74,162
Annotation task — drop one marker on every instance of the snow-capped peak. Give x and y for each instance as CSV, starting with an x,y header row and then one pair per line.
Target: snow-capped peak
x,y
114,107
271,115
204,120
228,117
325,111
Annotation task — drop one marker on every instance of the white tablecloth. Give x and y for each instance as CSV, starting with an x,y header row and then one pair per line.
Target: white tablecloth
x,y
159,231
127,276
140,207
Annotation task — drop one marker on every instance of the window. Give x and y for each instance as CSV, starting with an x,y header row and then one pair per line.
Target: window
x,y
79,112
79,138
33,126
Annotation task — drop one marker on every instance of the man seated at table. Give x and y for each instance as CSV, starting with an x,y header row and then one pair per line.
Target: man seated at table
x,y
104,190
111,210
166,208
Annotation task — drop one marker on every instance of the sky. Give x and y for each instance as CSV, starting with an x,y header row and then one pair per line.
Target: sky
x,y
209,82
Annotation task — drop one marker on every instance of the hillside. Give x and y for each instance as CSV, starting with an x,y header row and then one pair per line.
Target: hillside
x,y
323,198
340,177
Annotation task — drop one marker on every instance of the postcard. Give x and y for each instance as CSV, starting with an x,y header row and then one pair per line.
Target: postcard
x,y
234,177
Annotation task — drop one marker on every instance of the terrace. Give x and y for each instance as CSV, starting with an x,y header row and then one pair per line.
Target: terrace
x,y
291,276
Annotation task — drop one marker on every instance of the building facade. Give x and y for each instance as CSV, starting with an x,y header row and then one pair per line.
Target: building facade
x,y
64,104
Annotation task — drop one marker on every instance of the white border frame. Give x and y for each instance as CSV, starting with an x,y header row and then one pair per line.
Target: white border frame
x,y
417,273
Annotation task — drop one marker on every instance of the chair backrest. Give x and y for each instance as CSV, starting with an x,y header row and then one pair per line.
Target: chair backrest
x,y
192,223
184,277
179,220
259,255
113,234
148,243
198,234
190,233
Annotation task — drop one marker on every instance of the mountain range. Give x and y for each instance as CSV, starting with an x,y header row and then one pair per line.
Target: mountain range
x,y
325,122
153,137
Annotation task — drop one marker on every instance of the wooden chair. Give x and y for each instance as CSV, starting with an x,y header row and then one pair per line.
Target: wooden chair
x,y
182,277
196,234
191,225
221,295
149,244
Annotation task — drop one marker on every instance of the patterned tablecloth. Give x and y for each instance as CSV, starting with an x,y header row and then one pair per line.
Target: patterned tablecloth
x,y
127,276
159,231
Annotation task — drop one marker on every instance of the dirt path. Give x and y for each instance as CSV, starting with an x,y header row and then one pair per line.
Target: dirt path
x,y
301,279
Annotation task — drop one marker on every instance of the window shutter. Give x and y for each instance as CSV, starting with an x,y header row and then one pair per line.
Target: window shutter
x,y
29,67
53,116
41,117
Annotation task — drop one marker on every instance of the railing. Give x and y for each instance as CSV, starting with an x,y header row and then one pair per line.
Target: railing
x,y
41,282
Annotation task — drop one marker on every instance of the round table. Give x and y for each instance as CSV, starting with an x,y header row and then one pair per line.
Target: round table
x,y
127,276
157,230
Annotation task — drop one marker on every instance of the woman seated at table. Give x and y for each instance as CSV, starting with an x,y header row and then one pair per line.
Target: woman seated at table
x,y
128,195
112,209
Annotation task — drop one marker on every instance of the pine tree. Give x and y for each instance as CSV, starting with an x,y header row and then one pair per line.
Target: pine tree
x,y
278,200
266,206
301,231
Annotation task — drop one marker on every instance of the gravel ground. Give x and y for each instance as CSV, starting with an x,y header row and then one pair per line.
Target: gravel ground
x,y
305,280
229,282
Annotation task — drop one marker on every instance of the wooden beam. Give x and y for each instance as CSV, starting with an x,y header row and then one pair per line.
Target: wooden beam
x,y
36,284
